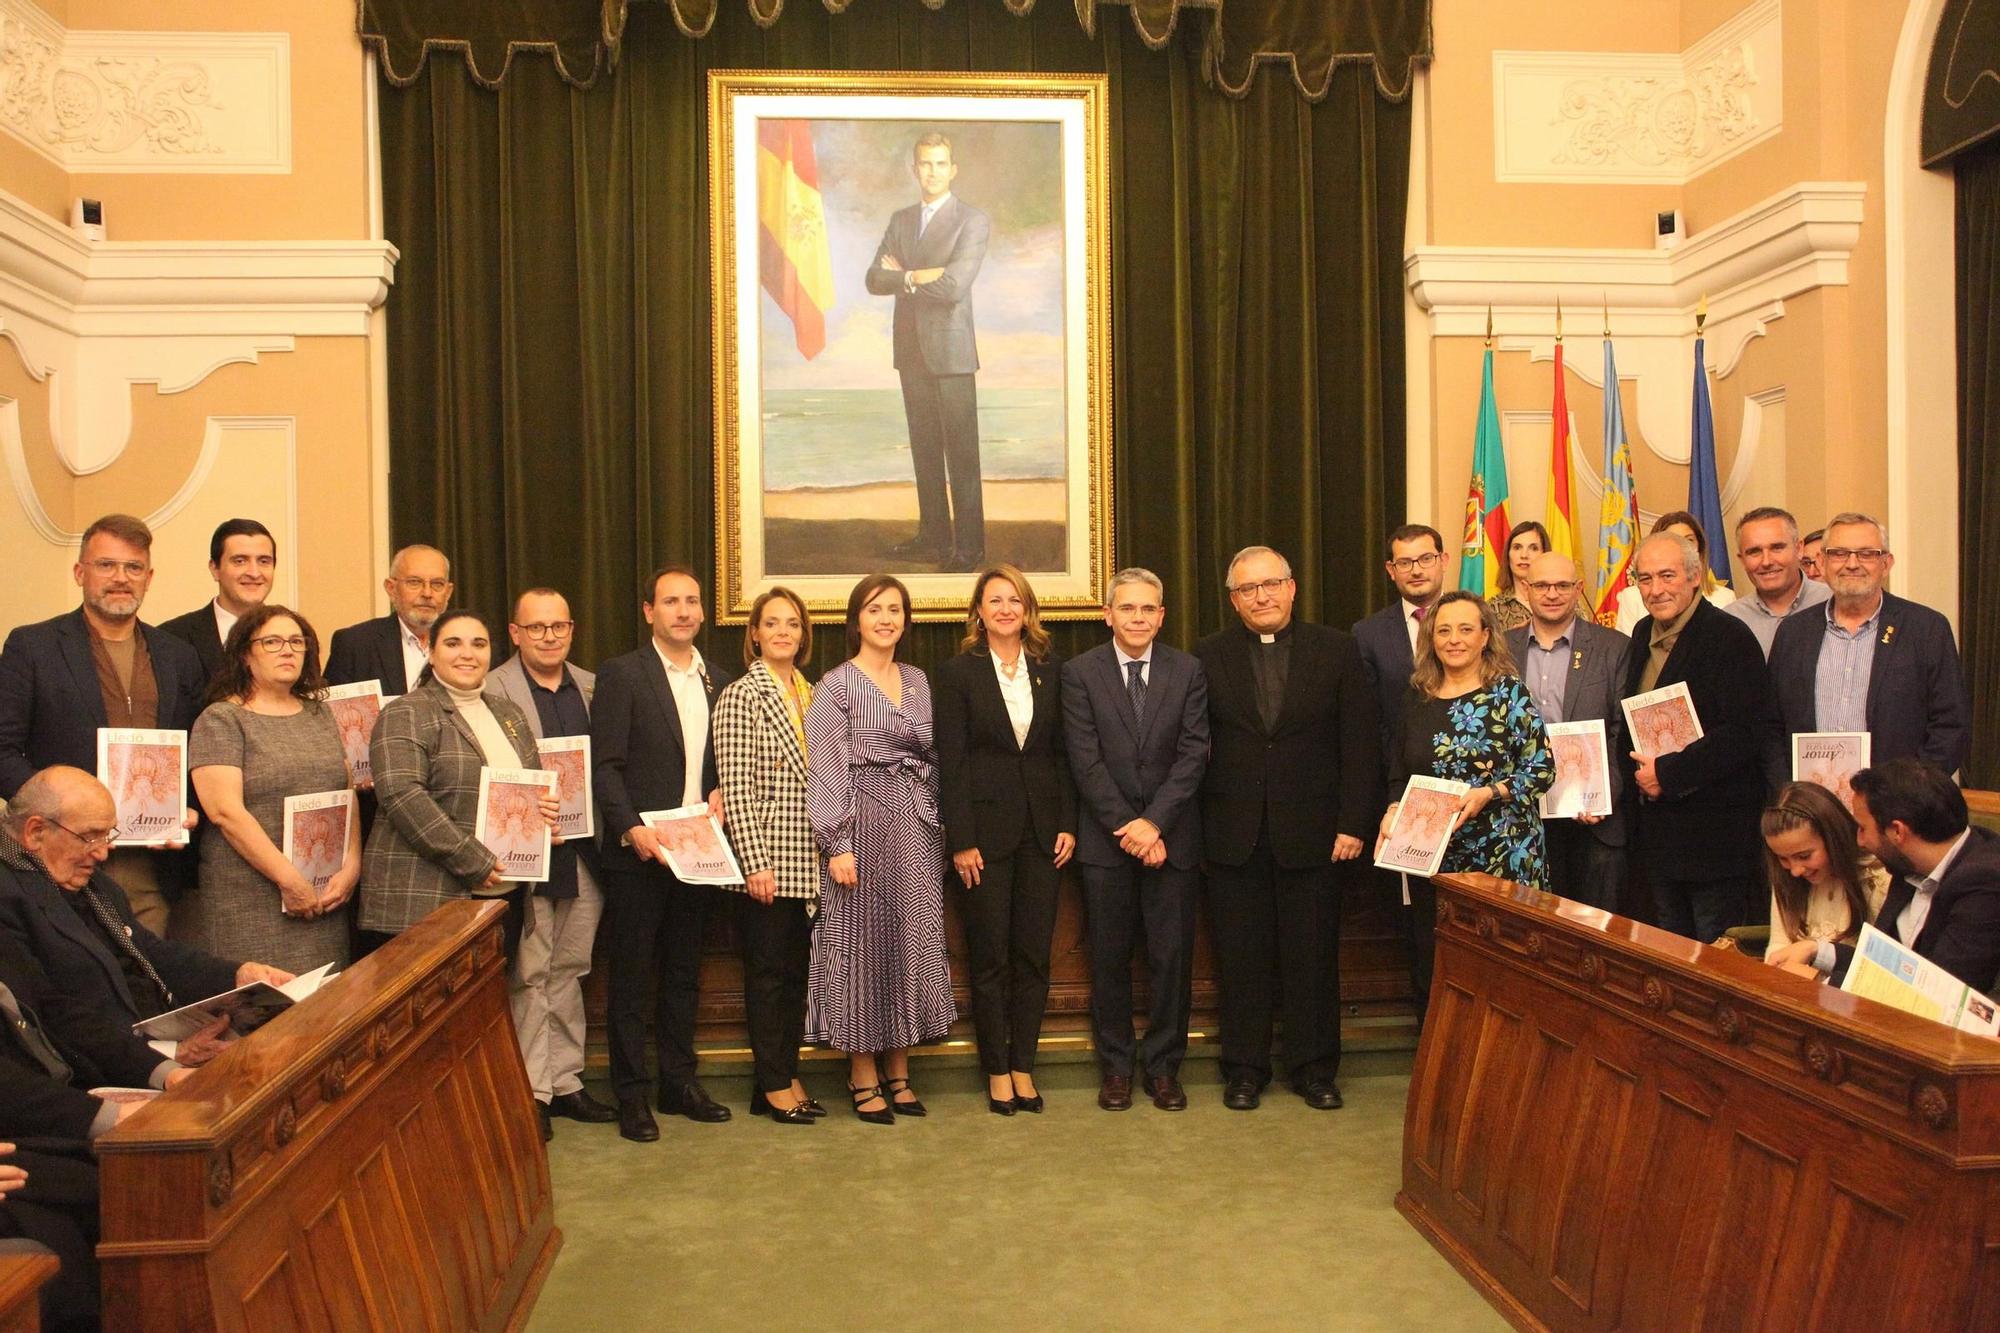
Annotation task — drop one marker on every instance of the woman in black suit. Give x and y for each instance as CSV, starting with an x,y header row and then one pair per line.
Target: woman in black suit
x,y
1009,820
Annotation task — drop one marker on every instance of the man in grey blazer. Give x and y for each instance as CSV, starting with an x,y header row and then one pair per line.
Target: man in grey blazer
x,y
1135,722
928,259
1576,672
545,989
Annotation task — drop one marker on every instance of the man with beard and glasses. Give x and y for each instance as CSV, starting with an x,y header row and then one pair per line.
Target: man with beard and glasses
x,y
394,648
100,666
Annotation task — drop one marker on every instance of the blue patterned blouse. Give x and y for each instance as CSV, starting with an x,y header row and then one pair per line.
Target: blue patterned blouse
x,y
1490,736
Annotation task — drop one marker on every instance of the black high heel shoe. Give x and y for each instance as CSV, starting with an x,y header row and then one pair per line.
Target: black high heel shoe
x,y
869,1094
812,1107
1032,1105
998,1107
760,1104
911,1107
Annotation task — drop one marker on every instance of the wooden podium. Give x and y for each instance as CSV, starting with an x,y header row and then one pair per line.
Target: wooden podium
x,y
368,1159
1612,1127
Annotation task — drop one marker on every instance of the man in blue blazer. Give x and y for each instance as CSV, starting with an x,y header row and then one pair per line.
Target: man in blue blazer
x,y
929,256
100,666
1135,722
1870,661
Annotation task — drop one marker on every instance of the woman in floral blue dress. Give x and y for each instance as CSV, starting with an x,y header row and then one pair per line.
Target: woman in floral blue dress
x,y
1468,717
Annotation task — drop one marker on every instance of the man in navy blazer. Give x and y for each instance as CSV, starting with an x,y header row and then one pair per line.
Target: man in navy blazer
x,y
1416,565
652,748
393,648
101,666
1871,661
243,561
1135,723
929,256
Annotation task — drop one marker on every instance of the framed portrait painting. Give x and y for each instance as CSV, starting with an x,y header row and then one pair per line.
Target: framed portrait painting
x,y
912,341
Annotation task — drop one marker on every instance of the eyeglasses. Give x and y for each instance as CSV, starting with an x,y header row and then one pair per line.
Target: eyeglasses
x,y
1551,587
1840,555
554,629
91,841
422,585
1407,563
131,569
278,643
1269,586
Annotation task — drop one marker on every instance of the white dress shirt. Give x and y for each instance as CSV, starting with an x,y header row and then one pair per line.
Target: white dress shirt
x,y
1144,659
1018,692
690,691
1413,620
415,656
1911,923
224,621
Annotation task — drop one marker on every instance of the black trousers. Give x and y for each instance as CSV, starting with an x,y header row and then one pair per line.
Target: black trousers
x,y
656,924
1010,919
777,948
1699,908
1117,900
1284,925
1420,921
58,1208
1583,869
943,416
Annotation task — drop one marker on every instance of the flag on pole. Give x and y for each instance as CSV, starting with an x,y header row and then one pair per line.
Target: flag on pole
x,y
1618,515
1704,491
794,262
1559,518
1486,501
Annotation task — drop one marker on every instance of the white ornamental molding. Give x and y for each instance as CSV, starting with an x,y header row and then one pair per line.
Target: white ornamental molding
x,y
1597,118
1746,267
145,101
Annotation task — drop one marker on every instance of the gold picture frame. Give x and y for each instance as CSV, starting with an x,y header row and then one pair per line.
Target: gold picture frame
x,y
920,418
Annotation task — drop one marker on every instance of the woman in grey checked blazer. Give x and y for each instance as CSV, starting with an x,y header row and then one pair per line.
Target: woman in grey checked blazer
x,y
760,760
428,748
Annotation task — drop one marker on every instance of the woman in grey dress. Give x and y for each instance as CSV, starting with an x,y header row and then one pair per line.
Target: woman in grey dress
x,y
265,736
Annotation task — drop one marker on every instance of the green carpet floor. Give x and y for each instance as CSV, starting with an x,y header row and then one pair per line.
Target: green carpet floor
x,y
1074,1219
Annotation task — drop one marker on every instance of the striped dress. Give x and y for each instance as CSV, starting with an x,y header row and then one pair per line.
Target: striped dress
x,y
879,977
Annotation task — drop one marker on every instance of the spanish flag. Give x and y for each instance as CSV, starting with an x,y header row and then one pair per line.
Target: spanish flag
x,y
1558,512
793,258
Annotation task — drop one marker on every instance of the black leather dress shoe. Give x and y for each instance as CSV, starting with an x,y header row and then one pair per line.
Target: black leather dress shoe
x,y
1115,1092
636,1123
1321,1094
1167,1092
1240,1094
580,1105
692,1100
542,1114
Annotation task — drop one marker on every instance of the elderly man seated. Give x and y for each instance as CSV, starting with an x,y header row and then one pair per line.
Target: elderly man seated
x,y
74,919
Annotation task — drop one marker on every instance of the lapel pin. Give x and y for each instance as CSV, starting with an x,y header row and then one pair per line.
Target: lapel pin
x,y
1888,633
1576,660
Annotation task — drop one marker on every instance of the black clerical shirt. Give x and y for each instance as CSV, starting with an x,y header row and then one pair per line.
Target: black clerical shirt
x,y
1269,662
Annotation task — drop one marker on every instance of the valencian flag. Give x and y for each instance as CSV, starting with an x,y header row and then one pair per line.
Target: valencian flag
x,y
1486,502
792,254
1704,491
1618,515
1559,518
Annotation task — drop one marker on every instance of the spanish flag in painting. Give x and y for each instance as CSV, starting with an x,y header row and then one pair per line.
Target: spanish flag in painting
x,y
1486,500
794,262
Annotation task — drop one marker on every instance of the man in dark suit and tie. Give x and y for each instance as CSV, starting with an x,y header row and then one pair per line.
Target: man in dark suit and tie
x,y
1135,723
393,648
1699,809
928,259
1575,670
100,666
1290,790
243,561
651,749
1870,661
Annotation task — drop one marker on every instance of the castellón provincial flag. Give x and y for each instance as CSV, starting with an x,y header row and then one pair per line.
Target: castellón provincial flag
x,y
794,262
1485,544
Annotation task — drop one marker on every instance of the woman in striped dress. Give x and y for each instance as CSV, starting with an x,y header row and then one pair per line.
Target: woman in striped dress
x,y
879,981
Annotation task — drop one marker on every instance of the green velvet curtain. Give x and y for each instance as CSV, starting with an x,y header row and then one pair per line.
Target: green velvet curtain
x,y
1979,451
550,351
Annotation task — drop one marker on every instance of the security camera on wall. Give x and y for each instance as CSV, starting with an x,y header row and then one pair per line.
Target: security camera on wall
x,y
86,218
1669,229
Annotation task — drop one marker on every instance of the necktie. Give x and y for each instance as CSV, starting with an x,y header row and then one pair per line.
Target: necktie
x,y
1135,686
122,939
1418,614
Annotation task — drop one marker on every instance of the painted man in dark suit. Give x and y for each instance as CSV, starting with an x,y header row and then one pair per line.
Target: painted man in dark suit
x,y
100,666
1871,661
1575,669
928,260
243,561
394,648
1135,723
652,749
1292,773
1699,807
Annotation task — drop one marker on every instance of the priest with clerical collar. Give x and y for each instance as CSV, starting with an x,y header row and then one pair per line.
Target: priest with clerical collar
x,y
1288,795
57,902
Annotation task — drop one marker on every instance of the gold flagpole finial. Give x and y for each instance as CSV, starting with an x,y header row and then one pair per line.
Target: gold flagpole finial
x,y
1607,314
1559,319
1489,324
1700,314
